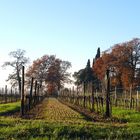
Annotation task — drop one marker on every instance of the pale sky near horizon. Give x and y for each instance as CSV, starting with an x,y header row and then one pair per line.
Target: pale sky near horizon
x,y
70,29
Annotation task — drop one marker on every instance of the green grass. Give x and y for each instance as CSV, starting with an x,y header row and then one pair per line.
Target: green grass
x,y
9,107
19,129
62,125
130,116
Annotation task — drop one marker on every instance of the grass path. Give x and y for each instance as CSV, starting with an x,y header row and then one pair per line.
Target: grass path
x,y
54,111
54,120
9,108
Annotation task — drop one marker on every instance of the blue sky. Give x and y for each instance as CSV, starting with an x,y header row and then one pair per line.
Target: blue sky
x,y
70,29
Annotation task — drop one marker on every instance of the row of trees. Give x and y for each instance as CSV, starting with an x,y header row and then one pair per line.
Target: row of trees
x,y
49,71
87,74
123,61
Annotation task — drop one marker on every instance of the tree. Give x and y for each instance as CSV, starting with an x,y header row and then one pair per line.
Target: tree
x,y
51,71
85,75
124,58
97,81
18,61
53,77
88,73
39,69
127,61
79,76
57,74
98,54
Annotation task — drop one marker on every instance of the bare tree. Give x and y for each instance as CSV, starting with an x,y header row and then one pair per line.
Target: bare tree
x,y
18,61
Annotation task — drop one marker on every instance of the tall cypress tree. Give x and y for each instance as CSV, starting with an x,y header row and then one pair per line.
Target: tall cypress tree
x,y
89,72
97,81
98,54
93,62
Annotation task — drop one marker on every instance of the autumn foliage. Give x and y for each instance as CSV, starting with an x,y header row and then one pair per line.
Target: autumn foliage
x,y
123,59
50,71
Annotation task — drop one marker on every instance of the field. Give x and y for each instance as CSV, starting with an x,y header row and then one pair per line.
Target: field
x,y
9,108
54,120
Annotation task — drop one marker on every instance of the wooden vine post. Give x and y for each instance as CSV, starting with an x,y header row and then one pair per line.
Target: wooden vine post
x,y
35,95
5,94
131,97
84,102
108,108
38,91
22,93
31,93
11,94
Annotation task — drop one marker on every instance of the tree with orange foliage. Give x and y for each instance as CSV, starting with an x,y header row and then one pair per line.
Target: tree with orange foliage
x,y
51,71
128,59
124,58
101,65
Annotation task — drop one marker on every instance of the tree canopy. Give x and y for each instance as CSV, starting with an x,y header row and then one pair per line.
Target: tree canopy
x,y
18,61
51,71
124,58
85,75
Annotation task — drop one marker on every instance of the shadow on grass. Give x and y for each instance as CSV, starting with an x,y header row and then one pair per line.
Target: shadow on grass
x,y
10,112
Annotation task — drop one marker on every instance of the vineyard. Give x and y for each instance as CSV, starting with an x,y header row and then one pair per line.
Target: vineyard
x,y
77,113
96,100
8,95
101,103
36,110
69,70
53,120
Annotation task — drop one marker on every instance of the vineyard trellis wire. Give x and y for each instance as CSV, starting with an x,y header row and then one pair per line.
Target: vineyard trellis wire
x,y
9,95
96,100
30,96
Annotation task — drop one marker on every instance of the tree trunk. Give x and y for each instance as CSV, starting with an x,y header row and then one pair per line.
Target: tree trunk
x,y
35,93
19,80
31,93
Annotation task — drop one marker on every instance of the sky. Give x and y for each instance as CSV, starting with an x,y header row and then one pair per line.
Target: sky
x,y
70,29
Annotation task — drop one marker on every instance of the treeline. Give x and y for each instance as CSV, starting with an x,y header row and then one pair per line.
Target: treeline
x,y
49,71
8,95
123,62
